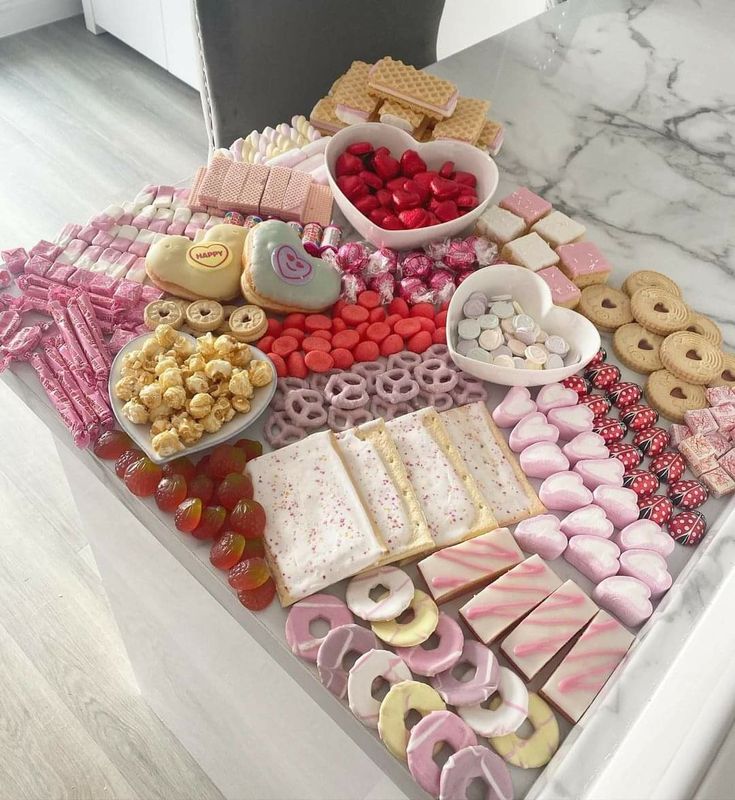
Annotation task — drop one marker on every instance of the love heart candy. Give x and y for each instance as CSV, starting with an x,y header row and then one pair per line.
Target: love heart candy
x,y
624,394
638,417
620,505
649,567
541,535
688,528
627,598
630,455
657,508
668,467
600,472
587,521
542,459
641,481
564,491
571,420
594,557
585,446
531,429
516,404
644,534
578,384
651,441
688,494
554,395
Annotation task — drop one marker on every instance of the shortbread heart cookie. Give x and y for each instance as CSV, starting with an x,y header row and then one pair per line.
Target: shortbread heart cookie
x,y
542,459
649,567
554,395
587,521
600,472
278,274
644,534
531,429
585,445
620,505
541,535
571,420
626,597
516,404
565,491
596,558
209,269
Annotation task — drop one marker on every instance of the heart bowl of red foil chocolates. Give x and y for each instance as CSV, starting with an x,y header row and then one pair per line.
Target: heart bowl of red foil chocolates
x,y
400,193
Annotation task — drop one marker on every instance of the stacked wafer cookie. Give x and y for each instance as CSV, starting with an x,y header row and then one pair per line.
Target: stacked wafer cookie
x,y
397,94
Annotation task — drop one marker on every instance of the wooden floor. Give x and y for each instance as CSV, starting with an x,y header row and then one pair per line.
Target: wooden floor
x,y
84,121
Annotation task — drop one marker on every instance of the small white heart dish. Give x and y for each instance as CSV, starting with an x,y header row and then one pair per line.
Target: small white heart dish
x,y
534,296
140,433
465,157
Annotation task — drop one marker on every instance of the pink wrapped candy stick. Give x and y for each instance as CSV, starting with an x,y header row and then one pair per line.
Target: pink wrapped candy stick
x,y
60,401
10,322
59,315
92,353
20,344
74,392
90,317
98,398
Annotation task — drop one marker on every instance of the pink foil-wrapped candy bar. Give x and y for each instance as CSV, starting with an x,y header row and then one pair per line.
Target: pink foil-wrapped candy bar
x,y
60,401
14,259
526,204
104,285
120,338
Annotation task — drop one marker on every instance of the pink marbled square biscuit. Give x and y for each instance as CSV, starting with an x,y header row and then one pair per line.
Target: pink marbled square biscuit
x,y
252,190
229,198
211,187
525,204
700,420
719,482
563,291
678,433
727,462
724,416
274,192
295,196
318,205
583,263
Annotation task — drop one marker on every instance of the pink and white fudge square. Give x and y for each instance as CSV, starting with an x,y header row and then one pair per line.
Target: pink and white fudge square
x,y
530,251
559,229
720,442
719,482
678,433
724,416
563,291
527,205
700,421
14,259
583,263
500,226
727,462
719,395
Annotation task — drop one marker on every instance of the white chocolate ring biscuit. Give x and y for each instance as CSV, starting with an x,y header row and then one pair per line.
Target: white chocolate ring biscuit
x,y
402,698
204,316
163,312
374,664
508,716
540,746
407,634
248,323
400,592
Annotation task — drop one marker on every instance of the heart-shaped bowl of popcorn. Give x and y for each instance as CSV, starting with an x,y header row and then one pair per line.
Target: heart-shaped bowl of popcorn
x,y
503,327
175,395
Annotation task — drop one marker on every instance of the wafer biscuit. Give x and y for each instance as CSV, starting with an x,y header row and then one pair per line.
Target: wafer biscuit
x,y
466,123
433,96
213,180
324,118
195,202
232,187
353,101
391,112
491,137
318,205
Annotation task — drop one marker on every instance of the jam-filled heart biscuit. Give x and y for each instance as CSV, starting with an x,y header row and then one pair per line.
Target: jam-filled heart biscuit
x,y
671,396
209,269
704,326
727,373
648,277
605,307
691,357
659,311
638,348
279,275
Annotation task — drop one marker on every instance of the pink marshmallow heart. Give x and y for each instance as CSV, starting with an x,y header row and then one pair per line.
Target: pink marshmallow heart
x,y
626,597
648,567
554,395
645,534
531,429
541,535
543,459
564,491
585,445
600,472
594,557
571,420
587,521
621,505
516,404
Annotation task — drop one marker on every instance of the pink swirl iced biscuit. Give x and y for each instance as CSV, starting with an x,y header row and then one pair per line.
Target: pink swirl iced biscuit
x,y
509,598
626,597
564,491
407,634
541,535
537,749
596,558
587,666
402,698
571,420
644,534
531,429
600,472
540,636
542,459
507,716
373,664
554,395
317,607
587,521
471,763
442,657
649,567
335,646
620,505
479,687
397,598
425,737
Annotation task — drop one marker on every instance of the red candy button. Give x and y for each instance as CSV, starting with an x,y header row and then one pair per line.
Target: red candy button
x,y
426,324
274,327
368,299
326,335
317,322
354,315
366,351
439,336
345,339
391,344
279,364
265,343
312,343
377,314
361,328
398,306
338,324
294,321
296,365
423,310
377,332
343,359
297,333
419,342
407,327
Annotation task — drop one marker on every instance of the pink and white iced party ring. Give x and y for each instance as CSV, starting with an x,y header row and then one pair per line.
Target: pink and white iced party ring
x,y
374,664
325,607
444,656
479,687
397,598
508,716
335,646
473,762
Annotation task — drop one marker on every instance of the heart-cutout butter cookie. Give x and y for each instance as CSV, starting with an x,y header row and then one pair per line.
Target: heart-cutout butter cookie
x,y
278,274
638,348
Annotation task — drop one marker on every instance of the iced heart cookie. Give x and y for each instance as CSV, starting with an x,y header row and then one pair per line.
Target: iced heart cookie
x,y
596,558
564,491
279,275
600,472
626,597
587,521
541,535
209,269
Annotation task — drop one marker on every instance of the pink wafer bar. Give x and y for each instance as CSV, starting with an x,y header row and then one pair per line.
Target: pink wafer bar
x,y
14,259
318,205
213,181
252,191
67,233
76,352
274,192
74,391
60,400
232,187
195,202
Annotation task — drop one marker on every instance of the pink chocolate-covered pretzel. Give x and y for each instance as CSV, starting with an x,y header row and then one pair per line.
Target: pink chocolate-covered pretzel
x,y
435,377
396,386
305,408
347,391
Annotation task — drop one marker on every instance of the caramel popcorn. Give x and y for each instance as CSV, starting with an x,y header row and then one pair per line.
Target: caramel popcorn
x,y
240,404
224,345
159,426
211,423
136,412
167,362
240,384
197,383
125,388
150,395
200,405
218,368
170,377
260,372
165,335
152,348
241,356
175,396
167,443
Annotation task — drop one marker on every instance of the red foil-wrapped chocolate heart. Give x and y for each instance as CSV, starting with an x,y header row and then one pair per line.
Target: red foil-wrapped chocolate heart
x,y
688,494
688,528
641,481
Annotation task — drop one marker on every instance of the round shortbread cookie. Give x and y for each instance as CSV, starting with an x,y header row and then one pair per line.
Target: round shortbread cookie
x,y
659,311
605,307
647,277
163,312
671,397
691,357
727,373
638,348
204,316
704,326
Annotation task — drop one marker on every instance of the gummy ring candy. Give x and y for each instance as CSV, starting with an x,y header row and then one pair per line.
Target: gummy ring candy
x,y
468,390
396,386
279,431
340,420
434,376
305,407
370,371
283,387
439,401
404,360
337,644
326,607
347,390
398,598
480,686
375,664
318,380
388,411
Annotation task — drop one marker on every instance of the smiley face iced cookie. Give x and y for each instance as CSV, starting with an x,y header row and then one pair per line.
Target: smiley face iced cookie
x,y
281,276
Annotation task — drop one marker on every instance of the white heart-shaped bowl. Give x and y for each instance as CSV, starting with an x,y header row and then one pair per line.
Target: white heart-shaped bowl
x,y
465,156
140,433
535,297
